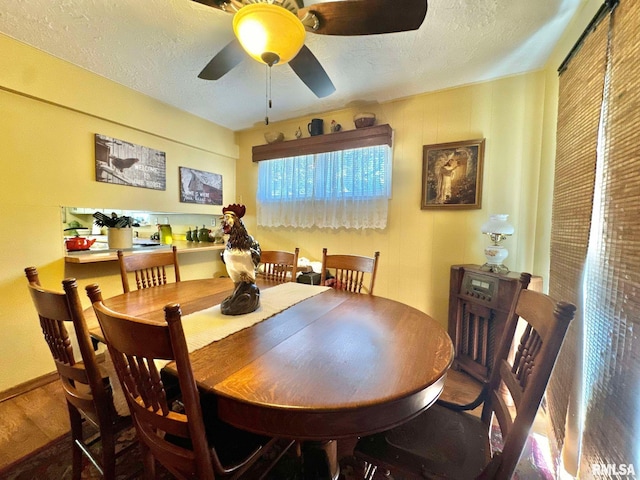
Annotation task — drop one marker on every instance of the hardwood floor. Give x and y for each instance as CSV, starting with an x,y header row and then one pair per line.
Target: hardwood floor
x,y
31,420
460,388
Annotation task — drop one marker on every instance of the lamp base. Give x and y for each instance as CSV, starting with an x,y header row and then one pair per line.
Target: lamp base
x,y
495,255
492,267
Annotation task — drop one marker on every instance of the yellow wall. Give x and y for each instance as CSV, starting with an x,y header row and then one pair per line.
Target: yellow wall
x,y
49,113
418,246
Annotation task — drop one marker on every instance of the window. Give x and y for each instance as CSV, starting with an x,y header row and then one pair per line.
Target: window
x,y
344,188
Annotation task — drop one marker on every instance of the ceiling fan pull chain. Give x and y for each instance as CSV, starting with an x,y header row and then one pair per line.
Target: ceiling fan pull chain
x,y
267,96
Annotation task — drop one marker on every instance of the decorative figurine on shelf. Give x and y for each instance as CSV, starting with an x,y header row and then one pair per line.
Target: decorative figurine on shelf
x,y
241,256
335,127
188,237
298,133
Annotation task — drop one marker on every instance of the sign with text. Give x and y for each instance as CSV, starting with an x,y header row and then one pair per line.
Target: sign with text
x,y
201,187
124,163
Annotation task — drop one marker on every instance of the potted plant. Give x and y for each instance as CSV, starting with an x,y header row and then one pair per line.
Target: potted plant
x,y
119,231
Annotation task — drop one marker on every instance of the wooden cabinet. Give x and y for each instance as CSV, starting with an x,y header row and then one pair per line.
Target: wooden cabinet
x,y
479,303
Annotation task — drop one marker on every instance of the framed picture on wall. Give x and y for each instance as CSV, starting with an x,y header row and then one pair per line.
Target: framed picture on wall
x,y
452,175
201,187
125,163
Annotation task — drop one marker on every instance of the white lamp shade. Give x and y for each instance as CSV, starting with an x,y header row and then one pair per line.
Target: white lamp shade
x,y
266,28
498,223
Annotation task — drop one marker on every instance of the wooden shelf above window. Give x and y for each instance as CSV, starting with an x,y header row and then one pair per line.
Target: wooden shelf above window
x,y
330,142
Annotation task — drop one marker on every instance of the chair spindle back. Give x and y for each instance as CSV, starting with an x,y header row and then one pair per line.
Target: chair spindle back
x,y
279,266
149,268
350,271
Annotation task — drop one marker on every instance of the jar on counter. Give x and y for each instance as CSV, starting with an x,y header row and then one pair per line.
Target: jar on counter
x,y
166,236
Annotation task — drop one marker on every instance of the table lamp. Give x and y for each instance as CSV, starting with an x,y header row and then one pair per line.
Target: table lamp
x,y
497,228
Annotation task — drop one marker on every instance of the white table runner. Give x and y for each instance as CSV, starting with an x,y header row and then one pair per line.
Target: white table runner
x,y
210,325
206,326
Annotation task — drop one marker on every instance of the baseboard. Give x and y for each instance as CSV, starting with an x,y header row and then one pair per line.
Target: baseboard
x,y
28,386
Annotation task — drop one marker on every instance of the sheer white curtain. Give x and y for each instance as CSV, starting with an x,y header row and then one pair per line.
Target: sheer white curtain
x,y
347,188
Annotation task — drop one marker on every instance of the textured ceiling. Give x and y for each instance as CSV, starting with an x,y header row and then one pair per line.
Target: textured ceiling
x,y
158,47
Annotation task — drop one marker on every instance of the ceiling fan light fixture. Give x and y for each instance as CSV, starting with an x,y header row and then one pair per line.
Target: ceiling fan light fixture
x,y
269,32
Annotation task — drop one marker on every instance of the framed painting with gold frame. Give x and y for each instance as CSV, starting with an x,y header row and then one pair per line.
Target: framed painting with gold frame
x,y
452,175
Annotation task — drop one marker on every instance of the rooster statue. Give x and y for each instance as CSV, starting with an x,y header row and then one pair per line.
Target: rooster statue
x,y
241,257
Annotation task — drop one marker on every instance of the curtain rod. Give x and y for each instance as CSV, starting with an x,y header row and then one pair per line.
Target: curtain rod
x,y
605,8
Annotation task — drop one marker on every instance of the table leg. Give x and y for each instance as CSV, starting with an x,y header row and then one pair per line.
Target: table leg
x,y
320,460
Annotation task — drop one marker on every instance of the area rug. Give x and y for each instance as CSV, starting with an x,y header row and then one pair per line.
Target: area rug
x,y
53,462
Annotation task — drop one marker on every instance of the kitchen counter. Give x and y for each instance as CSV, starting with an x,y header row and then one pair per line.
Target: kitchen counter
x,y
108,255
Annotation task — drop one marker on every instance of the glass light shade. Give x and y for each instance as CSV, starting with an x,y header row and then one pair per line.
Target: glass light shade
x,y
498,223
269,33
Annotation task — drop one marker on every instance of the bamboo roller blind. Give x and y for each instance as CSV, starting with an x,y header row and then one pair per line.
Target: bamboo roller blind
x,y
612,424
612,288
580,100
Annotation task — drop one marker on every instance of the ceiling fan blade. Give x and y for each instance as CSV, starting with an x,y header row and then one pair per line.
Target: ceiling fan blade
x,y
308,68
225,60
367,17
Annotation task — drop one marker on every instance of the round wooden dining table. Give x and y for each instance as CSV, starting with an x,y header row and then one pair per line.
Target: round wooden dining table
x,y
333,366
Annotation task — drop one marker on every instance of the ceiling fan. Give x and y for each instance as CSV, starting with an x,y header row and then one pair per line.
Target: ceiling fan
x,y
342,17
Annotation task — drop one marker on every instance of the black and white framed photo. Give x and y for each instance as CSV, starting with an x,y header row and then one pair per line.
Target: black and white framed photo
x,y
124,163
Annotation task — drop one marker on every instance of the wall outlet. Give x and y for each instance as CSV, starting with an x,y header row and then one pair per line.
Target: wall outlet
x,y
213,222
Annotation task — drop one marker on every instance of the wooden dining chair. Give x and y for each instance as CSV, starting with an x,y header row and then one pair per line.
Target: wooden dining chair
x,y
279,266
350,271
149,268
176,438
86,388
444,443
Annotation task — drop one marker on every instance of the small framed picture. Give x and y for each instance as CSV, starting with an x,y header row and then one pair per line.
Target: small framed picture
x,y
201,187
452,175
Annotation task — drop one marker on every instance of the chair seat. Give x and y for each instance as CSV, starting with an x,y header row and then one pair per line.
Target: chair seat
x,y
459,450
231,445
